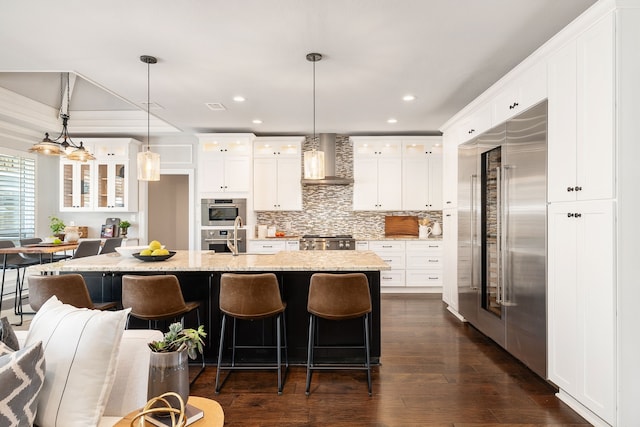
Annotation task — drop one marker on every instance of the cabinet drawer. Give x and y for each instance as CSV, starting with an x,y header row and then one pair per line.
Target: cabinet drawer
x,y
266,247
392,278
423,278
362,245
425,246
394,259
424,261
386,246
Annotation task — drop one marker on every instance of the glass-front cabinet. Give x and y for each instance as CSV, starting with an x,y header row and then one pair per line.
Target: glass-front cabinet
x,y
76,185
107,183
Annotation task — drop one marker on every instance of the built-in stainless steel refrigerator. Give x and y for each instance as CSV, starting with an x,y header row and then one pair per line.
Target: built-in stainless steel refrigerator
x,y
502,221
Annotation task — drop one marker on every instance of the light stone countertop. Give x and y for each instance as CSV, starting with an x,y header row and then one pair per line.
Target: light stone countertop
x,y
209,261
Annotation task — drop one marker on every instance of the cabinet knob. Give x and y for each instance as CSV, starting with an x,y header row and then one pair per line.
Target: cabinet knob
x,y
570,188
569,215
512,106
578,188
471,131
578,215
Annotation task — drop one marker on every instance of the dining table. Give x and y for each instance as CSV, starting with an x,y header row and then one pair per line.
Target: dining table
x,y
41,249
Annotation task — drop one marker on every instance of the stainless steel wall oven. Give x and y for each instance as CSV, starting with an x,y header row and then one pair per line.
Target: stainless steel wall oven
x,y
222,212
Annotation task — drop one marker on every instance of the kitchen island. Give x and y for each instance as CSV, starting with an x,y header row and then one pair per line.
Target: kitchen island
x,y
199,275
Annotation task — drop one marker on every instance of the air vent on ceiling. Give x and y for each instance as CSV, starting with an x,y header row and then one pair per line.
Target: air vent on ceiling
x,y
215,106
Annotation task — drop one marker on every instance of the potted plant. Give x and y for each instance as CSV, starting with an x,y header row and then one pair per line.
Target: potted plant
x,y
57,227
169,361
124,227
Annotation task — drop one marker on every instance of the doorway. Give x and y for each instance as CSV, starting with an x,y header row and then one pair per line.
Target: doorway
x,y
168,202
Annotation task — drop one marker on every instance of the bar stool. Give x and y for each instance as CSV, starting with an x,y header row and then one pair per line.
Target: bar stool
x,y
68,288
157,298
338,297
251,297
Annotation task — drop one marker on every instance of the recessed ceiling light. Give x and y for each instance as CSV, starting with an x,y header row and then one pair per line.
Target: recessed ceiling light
x,y
408,98
392,121
257,121
239,98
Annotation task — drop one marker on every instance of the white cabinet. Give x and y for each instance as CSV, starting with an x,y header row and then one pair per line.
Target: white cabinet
x,y
581,116
393,253
224,163
450,258
518,95
108,183
277,171
422,173
76,186
271,246
581,298
116,185
377,172
449,170
424,263
474,124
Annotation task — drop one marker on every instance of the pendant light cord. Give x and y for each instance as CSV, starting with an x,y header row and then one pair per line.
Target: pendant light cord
x,y
148,104
314,101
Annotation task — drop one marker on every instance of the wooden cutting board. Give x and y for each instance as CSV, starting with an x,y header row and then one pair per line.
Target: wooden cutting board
x,y
400,226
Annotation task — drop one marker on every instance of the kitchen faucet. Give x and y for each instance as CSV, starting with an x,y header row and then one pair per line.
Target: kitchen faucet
x,y
234,246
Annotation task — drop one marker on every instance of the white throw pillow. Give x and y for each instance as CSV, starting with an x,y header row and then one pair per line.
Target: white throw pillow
x,y
80,347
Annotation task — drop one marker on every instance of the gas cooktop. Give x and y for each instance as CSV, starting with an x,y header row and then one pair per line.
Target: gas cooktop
x,y
318,242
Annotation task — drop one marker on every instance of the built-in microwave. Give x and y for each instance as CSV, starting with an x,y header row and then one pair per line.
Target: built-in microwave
x,y
223,211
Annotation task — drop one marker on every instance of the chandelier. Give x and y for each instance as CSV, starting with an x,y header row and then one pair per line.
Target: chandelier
x,y
63,145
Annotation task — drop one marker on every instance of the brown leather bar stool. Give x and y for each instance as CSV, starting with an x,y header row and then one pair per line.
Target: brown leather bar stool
x,y
157,298
338,297
68,288
252,297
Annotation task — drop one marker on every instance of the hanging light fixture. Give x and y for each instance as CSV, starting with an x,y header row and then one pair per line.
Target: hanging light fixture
x,y
63,145
314,159
148,162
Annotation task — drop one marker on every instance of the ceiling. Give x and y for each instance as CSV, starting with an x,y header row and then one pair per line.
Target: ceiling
x,y
444,52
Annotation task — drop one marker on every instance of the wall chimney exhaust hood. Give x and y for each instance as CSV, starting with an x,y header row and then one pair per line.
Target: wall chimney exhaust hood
x,y
328,146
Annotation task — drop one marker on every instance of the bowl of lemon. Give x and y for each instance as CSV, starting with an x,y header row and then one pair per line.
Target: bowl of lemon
x,y
154,252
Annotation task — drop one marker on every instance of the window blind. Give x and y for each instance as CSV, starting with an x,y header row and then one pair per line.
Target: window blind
x,y
17,196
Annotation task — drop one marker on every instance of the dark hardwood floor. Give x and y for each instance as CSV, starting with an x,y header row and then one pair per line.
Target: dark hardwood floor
x,y
435,371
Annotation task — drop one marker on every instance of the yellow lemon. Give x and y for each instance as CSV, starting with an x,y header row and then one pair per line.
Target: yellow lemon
x,y
157,252
146,252
155,245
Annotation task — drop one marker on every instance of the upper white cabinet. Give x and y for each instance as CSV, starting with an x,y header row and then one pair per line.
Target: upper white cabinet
x,y
377,172
422,173
224,163
116,182
523,92
76,186
108,183
581,116
277,170
475,124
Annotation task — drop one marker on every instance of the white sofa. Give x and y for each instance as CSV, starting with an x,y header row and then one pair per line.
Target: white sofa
x,y
129,390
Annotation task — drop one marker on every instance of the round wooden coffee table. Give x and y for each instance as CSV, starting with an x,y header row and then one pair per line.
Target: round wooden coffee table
x,y
213,414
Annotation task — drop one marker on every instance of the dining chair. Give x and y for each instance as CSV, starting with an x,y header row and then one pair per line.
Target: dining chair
x,y
110,245
335,297
87,248
15,262
68,288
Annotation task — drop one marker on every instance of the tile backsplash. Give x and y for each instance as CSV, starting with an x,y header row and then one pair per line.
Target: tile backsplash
x,y
328,209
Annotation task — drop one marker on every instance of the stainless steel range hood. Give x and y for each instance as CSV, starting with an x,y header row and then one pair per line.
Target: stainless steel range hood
x,y
328,147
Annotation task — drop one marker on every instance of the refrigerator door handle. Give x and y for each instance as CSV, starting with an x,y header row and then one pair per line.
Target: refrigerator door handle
x,y
472,215
505,254
499,235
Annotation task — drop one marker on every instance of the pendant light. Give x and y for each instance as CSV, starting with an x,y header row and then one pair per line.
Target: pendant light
x,y
63,145
314,159
148,162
